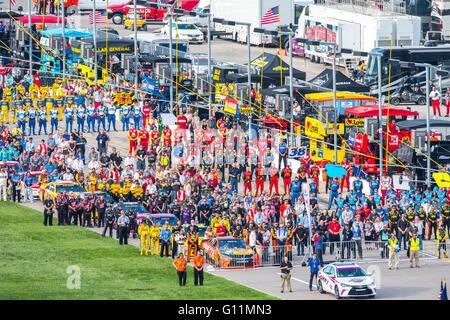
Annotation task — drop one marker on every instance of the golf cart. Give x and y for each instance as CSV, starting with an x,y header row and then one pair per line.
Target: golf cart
x,y
141,23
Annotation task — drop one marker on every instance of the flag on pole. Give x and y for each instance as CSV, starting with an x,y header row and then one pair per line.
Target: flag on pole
x,y
443,293
100,17
271,16
13,2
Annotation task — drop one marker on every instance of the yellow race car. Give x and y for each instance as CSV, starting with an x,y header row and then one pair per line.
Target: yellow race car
x,y
55,188
128,22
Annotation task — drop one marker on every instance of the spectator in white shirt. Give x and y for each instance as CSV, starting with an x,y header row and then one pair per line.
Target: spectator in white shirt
x,y
78,164
129,161
68,176
93,164
29,146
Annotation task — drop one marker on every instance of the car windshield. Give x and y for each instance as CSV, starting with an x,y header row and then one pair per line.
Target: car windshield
x,y
232,244
136,207
69,188
350,272
160,221
185,26
201,231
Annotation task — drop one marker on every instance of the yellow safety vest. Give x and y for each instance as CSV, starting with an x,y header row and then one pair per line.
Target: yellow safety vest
x,y
392,244
414,244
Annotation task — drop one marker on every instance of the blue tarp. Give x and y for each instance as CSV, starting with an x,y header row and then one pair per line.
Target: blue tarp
x,y
69,33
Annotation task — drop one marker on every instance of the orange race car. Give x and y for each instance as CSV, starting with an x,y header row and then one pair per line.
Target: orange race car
x,y
229,253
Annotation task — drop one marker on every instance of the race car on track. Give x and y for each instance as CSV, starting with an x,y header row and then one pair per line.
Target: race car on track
x,y
345,280
230,253
54,188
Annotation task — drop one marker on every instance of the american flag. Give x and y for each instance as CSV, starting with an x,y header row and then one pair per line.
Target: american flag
x,y
271,16
13,2
100,17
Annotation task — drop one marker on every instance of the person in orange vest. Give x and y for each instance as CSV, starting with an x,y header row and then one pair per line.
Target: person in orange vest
x,y
259,179
287,174
144,137
247,181
133,135
199,263
273,180
180,265
167,136
315,172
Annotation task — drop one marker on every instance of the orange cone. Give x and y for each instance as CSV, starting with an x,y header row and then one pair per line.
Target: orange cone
x,y
285,52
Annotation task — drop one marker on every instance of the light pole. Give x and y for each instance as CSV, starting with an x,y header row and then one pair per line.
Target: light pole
x,y
170,13
31,40
95,43
64,38
291,72
135,51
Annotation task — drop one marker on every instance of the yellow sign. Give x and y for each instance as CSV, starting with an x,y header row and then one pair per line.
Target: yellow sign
x,y
246,109
340,128
354,122
231,106
314,128
279,68
442,179
259,63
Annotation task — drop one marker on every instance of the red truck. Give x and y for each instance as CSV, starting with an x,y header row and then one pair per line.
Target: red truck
x,y
118,12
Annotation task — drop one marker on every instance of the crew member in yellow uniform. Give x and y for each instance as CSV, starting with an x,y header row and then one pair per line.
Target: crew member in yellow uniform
x,y
414,243
40,104
28,102
55,88
442,236
103,186
59,103
137,193
125,192
4,103
44,91
16,105
8,93
33,89
215,222
154,239
115,189
192,240
49,102
92,186
144,232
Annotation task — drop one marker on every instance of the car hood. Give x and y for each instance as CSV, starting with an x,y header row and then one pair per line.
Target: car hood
x,y
237,252
186,32
356,281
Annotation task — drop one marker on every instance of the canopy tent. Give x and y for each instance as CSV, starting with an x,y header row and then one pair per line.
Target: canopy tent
x,y
422,124
302,90
373,111
243,78
68,33
42,19
343,83
9,14
270,65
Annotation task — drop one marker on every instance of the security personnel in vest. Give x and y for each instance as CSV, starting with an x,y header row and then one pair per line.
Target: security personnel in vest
x,y
154,232
4,103
32,115
414,251
180,265
446,217
192,240
432,223
393,251
393,221
442,236
144,233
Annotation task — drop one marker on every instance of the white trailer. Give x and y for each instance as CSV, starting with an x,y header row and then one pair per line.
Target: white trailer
x,y
354,29
250,11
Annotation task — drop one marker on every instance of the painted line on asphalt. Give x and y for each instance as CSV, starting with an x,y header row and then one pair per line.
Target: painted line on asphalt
x,y
299,280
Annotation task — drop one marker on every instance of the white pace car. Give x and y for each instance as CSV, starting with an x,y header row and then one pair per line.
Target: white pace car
x,y
345,280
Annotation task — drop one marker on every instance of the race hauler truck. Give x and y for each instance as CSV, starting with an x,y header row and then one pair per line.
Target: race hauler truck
x,y
251,11
356,26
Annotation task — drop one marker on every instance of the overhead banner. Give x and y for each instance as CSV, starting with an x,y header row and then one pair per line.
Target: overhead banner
x,y
314,128
352,124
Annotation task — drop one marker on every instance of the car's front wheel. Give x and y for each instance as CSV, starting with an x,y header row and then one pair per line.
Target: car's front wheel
x,y
336,292
320,287
117,18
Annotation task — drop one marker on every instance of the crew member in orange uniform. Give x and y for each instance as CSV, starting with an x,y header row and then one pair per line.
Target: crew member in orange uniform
x,y
247,181
180,265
